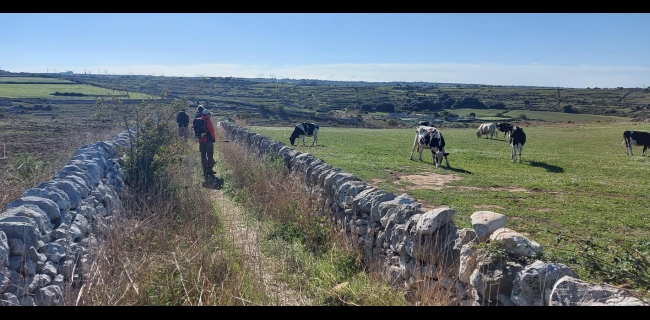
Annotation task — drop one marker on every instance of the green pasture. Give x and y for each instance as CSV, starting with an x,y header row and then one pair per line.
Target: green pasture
x,y
47,91
32,79
491,115
574,178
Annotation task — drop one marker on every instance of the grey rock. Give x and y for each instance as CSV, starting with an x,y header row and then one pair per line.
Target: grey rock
x,y
486,222
533,285
49,296
569,291
48,206
52,251
430,221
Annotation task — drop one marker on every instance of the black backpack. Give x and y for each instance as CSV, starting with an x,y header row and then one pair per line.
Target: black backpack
x,y
199,128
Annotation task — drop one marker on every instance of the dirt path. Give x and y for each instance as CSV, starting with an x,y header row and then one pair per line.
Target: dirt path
x,y
247,238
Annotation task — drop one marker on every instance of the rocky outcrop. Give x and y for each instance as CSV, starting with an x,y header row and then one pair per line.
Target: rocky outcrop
x,y
420,249
48,236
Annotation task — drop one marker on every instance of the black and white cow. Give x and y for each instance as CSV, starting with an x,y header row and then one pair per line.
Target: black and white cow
x,y
505,128
430,138
636,138
303,130
517,141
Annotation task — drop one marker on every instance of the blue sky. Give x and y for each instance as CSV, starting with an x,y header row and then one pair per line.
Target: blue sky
x,y
543,49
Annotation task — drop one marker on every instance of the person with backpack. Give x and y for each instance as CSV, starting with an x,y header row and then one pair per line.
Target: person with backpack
x,y
199,110
183,121
204,131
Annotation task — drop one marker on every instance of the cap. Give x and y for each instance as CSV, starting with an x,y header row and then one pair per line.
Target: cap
x,y
206,111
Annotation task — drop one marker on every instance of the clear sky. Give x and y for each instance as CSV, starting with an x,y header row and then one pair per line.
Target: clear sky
x,y
541,49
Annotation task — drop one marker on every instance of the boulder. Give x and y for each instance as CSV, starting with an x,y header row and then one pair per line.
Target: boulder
x,y
533,285
486,222
569,291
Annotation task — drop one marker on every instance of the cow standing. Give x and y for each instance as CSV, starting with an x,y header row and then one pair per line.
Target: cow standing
x,y
430,138
505,128
303,130
486,129
636,138
517,141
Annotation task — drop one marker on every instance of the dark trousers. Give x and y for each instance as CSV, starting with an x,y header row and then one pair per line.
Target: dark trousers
x,y
207,156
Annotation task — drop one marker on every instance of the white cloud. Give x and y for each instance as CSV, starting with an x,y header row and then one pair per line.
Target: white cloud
x,y
577,76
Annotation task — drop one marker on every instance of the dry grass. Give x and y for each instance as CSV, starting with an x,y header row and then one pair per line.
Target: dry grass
x,y
313,254
46,158
168,248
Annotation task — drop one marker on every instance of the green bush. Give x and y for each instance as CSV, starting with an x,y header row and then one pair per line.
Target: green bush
x,y
25,165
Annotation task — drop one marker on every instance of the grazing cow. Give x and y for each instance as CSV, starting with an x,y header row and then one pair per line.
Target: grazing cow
x,y
486,129
517,141
303,130
505,128
430,138
636,138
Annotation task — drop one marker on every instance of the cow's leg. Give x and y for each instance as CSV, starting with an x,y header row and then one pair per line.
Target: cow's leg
x,y
314,142
415,143
444,153
645,147
412,150
521,149
435,158
513,152
303,141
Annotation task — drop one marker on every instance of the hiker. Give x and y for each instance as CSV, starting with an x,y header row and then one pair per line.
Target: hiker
x,y
199,111
205,133
183,121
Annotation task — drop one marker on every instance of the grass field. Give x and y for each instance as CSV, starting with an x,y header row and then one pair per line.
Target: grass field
x,y
47,91
33,79
574,178
491,115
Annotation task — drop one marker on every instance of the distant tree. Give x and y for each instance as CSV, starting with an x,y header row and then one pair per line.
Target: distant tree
x,y
385,107
469,103
523,117
472,115
367,107
498,105
569,109
526,102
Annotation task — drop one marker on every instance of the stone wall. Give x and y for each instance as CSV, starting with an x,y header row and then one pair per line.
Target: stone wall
x,y
426,251
48,236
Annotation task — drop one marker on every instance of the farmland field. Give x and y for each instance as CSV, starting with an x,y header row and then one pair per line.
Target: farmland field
x,y
491,115
47,91
33,80
575,178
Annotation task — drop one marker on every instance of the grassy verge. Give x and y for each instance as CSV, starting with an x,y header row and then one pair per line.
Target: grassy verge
x,y
313,256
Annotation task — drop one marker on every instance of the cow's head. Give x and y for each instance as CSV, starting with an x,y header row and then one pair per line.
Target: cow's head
x,y
292,139
440,155
478,133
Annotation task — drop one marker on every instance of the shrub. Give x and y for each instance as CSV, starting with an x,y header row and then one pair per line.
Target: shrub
x,y
25,165
569,109
498,105
523,117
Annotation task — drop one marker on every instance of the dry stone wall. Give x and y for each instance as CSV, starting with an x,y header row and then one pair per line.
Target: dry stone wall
x,y
49,236
426,250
